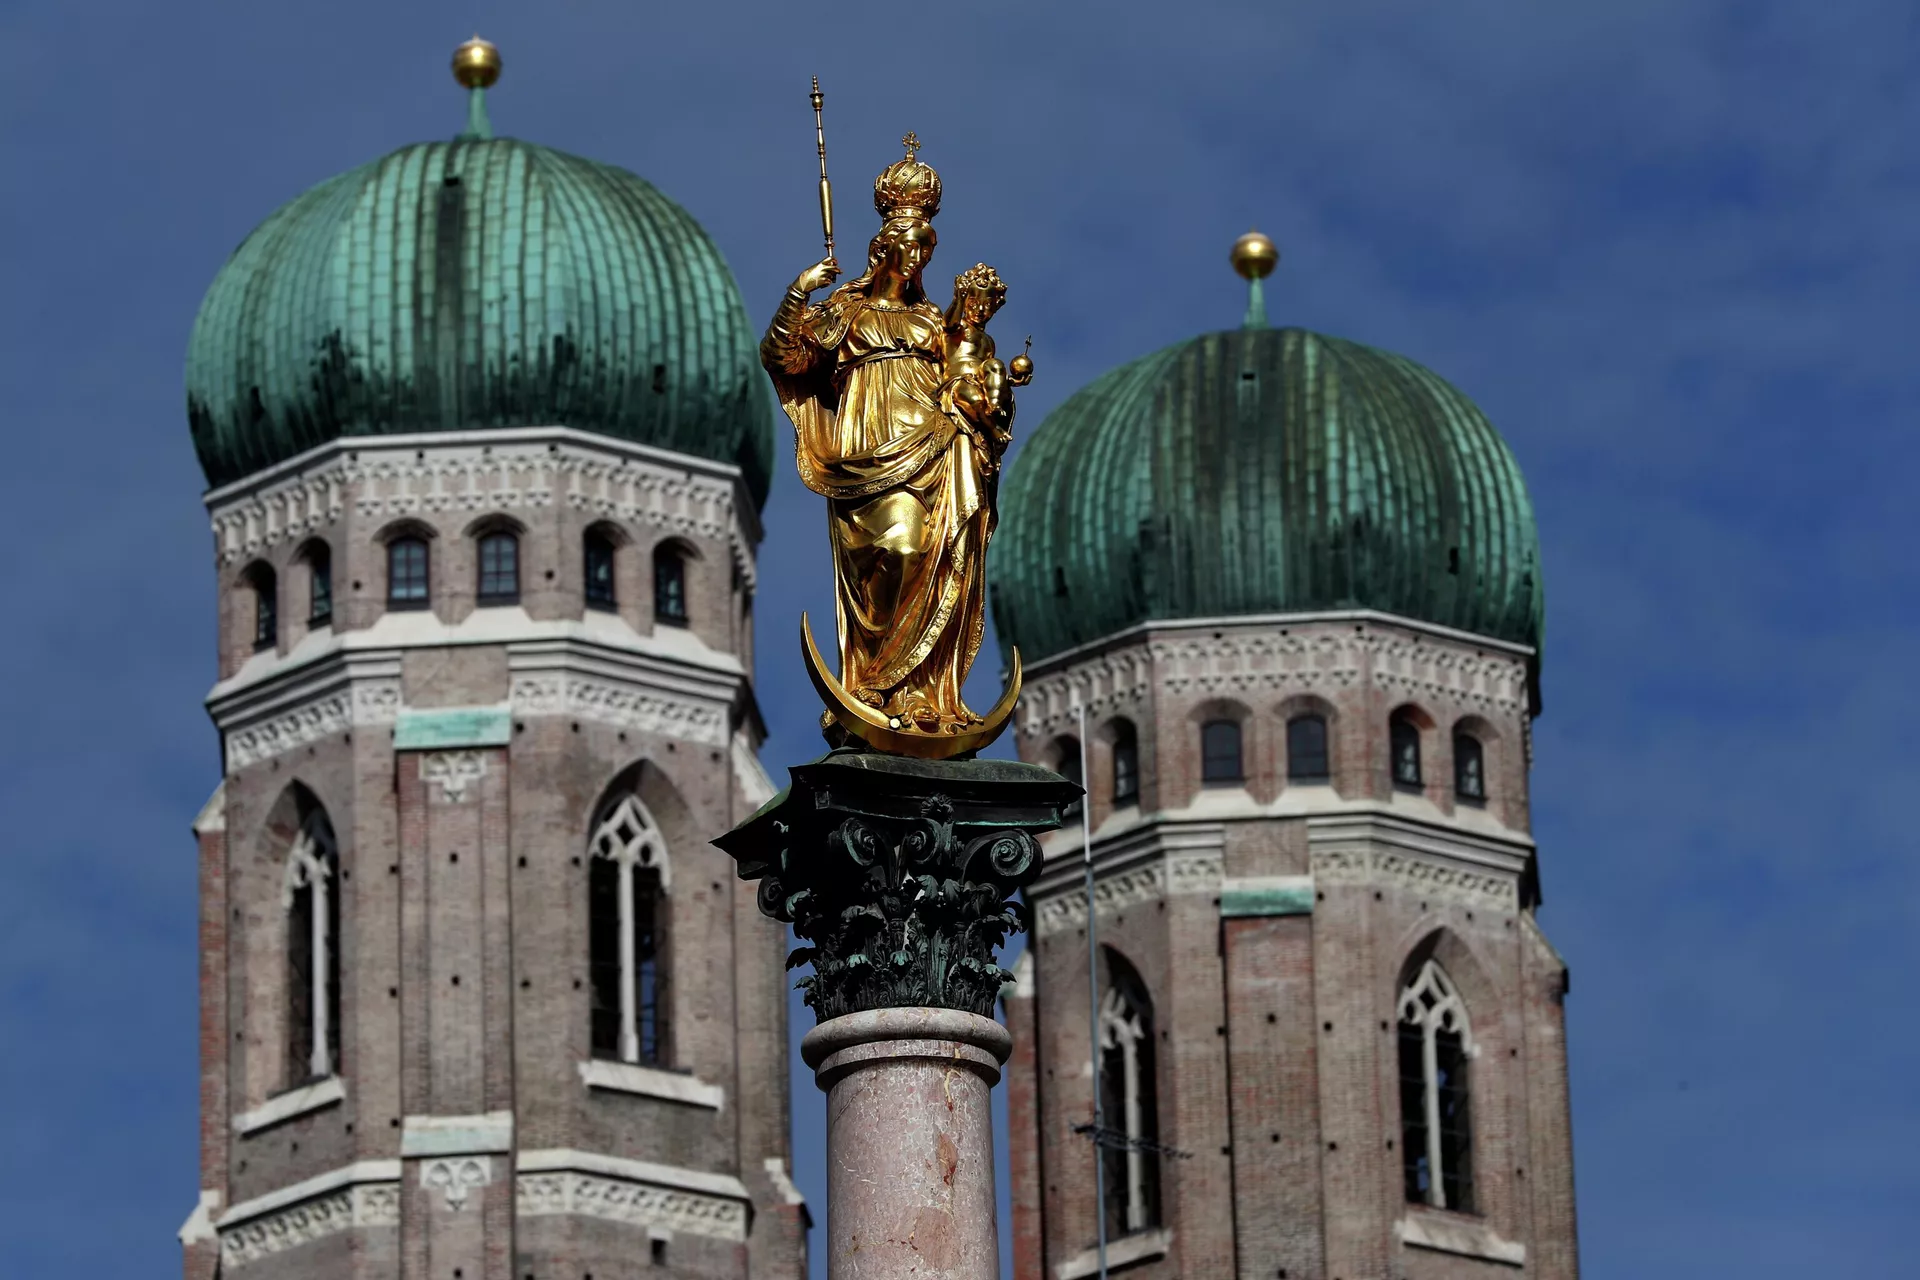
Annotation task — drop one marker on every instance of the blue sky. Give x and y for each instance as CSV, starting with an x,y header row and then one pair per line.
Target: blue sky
x,y
1672,247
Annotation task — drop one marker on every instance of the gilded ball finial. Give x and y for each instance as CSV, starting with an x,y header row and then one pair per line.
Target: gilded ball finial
x,y
1254,256
476,64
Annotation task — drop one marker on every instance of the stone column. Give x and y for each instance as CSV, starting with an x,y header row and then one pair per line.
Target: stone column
x,y
909,1141
900,875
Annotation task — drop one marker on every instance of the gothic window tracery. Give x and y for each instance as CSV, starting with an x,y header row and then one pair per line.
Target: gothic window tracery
x,y
1129,1149
626,889
310,899
1436,1122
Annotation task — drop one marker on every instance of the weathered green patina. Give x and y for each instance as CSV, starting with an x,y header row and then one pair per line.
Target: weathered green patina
x,y
899,874
482,282
1270,896
438,728
1263,471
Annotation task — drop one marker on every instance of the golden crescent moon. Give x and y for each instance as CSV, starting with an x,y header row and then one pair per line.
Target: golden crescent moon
x,y
877,730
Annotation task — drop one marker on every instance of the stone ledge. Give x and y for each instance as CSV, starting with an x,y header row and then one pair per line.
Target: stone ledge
x,y
1452,1233
1141,1246
651,1082
294,1102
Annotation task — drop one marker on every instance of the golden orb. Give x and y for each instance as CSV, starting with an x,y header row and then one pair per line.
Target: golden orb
x,y
1021,366
1254,256
476,64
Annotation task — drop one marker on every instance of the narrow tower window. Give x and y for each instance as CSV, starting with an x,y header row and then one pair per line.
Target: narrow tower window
x,y
670,586
1126,764
1129,1145
310,898
1436,1125
626,890
407,573
266,606
1066,755
1307,749
1220,751
499,568
599,570
1403,737
1469,768
319,585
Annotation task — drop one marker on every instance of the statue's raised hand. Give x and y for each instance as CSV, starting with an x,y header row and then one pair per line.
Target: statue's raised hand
x,y
818,276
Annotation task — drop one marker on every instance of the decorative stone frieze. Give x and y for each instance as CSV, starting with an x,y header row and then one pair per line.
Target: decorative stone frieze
x,y
1429,877
403,476
897,873
374,702
375,1204
1270,660
628,706
1116,891
452,772
595,1195
455,1177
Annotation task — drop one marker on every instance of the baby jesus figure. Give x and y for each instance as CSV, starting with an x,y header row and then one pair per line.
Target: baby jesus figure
x,y
977,391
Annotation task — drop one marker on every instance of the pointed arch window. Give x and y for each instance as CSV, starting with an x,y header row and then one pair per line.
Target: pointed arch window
x,y
1436,1122
669,585
310,899
1220,752
1469,768
1403,738
626,891
407,573
1307,749
499,568
1128,1102
598,562
1126,764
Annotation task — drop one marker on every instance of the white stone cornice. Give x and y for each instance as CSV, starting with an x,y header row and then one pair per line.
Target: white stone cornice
x,y
670,687
365,1194
1147,864
507,469
1378,827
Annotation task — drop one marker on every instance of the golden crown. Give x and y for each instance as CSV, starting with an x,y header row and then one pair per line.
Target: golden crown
x,y
907,188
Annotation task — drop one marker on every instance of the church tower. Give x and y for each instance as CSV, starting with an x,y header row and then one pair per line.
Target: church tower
x,y
487,442
1288,588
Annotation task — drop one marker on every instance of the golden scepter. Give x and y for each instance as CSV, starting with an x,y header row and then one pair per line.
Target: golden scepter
x,y
826,188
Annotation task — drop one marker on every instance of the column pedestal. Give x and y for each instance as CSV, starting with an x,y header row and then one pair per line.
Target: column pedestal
x,y
909,1142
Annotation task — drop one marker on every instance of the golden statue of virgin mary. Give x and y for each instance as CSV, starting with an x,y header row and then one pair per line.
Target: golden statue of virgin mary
x,y
901,413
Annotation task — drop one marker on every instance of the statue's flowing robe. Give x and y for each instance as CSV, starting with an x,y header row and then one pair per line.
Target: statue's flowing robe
x,y
907,506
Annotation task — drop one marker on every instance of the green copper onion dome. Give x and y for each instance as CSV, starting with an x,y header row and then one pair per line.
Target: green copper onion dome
x,y
1263,471
481,282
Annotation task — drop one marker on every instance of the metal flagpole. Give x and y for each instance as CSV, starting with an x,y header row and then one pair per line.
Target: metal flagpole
x,y
1093,1006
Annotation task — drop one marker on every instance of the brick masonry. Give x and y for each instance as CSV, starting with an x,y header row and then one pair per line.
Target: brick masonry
x,y
463,880
1277,1030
